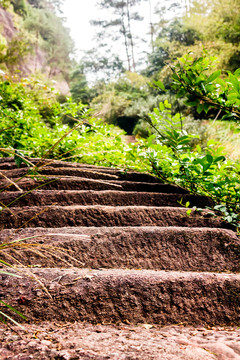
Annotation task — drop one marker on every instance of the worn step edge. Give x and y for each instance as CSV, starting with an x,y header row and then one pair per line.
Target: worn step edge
x,y
90,173
103,197
96,215
121,173
51,162
83,173
76,183
186,249
126,295
47,162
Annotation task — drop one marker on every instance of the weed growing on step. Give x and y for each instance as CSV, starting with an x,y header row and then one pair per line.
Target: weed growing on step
x,y
3,305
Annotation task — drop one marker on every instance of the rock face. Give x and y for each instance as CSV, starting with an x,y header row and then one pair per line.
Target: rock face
x,y
107,247
6,21
8,29
33,62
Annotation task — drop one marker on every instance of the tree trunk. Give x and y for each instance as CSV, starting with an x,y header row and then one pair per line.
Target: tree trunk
x,y
125,37
130,36
151,24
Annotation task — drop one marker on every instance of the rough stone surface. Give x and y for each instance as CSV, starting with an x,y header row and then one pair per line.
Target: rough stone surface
x,y
113,267
97,215
77,183
104,197
159,248
85,341
133,296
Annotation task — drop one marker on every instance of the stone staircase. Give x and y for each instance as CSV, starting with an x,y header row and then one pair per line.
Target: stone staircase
x,y
112,247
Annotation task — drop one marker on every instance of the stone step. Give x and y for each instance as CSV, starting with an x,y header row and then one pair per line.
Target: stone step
x,y
133,296
76,183
53,167
104,197
83,173
9,163
89,173
159,248
96,215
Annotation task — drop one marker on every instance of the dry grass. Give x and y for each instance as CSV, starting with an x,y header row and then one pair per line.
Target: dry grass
x,y
228,134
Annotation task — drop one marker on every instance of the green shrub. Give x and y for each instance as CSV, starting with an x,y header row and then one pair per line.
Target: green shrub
x,y
175,158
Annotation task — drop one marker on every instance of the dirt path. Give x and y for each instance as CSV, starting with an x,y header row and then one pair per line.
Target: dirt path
x,y
116,268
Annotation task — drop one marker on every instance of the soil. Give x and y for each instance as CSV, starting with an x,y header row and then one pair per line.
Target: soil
x,y
113,266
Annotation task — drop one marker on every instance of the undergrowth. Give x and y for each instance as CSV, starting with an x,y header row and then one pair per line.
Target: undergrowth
x,y
203,170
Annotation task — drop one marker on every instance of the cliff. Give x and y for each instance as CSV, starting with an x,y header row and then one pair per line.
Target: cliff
x,y
28,45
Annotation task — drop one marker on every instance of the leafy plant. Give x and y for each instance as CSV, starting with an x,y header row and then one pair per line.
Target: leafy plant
x,y
205,90
202,170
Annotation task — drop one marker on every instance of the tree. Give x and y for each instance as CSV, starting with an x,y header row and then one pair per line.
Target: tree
x,y
119,26
50,35
212,24
173,39
20,6
79,86
50,4
218,21
102,67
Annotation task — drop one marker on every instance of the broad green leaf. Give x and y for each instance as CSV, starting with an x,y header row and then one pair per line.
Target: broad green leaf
x,y
219,158
160,85
206,107
175,77
234,81
181,92
187,80
209,158
228,116
199,149
188,212
200,108
237,72
214,76
161,106
198,60
167,104
233,96
192,103
229,218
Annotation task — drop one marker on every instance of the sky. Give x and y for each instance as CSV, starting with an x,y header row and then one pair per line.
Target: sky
x,y
78,14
